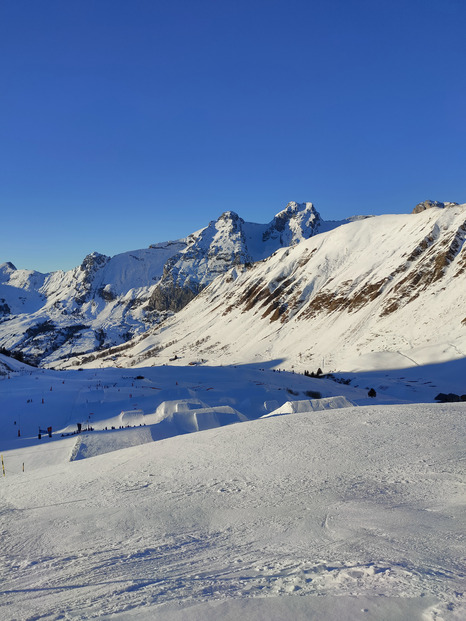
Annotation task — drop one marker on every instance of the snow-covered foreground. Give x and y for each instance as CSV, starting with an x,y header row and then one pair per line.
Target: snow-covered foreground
x,y
351,513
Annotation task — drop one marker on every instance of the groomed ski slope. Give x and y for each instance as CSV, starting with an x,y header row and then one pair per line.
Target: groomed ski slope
x,y
351,513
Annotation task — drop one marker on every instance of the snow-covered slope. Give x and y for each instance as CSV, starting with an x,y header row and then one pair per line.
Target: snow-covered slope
x,y
383,292
351,513
9,364
94,304
105,301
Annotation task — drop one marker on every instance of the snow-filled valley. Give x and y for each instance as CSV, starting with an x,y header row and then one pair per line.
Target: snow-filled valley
x,y
339,507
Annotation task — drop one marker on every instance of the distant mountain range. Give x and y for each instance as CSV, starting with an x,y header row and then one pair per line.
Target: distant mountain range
x,y
378,293
108,300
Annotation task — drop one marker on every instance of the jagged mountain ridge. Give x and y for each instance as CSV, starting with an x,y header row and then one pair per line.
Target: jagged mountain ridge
x,y
107,300
385,292
226,242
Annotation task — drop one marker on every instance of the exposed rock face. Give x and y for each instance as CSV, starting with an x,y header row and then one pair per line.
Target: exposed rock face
x,y
293,224
430,204
170,297
89,267
7,268
4,308
226,242
209,253
93,262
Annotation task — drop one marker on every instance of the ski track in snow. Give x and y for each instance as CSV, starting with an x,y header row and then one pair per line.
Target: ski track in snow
x,y
358,502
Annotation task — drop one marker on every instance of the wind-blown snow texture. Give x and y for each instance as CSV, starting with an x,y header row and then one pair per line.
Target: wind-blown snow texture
x,y
350,513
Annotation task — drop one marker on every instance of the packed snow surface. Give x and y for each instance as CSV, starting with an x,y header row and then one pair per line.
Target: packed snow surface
x,y
311,405
350,513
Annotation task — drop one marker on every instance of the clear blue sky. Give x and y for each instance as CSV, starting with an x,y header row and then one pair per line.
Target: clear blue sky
x,y
127,122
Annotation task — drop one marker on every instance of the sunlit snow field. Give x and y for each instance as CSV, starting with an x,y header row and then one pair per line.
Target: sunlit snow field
x,y
346,512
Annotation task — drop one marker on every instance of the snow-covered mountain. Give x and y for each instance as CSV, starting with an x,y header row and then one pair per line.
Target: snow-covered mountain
x,y
94,304
227,242
386,292
106,301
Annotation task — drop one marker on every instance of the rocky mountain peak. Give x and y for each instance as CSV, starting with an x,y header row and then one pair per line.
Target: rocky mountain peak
x,y
93,261
293,208
229,221
229,216
296,222
429,204
6,269
8,266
